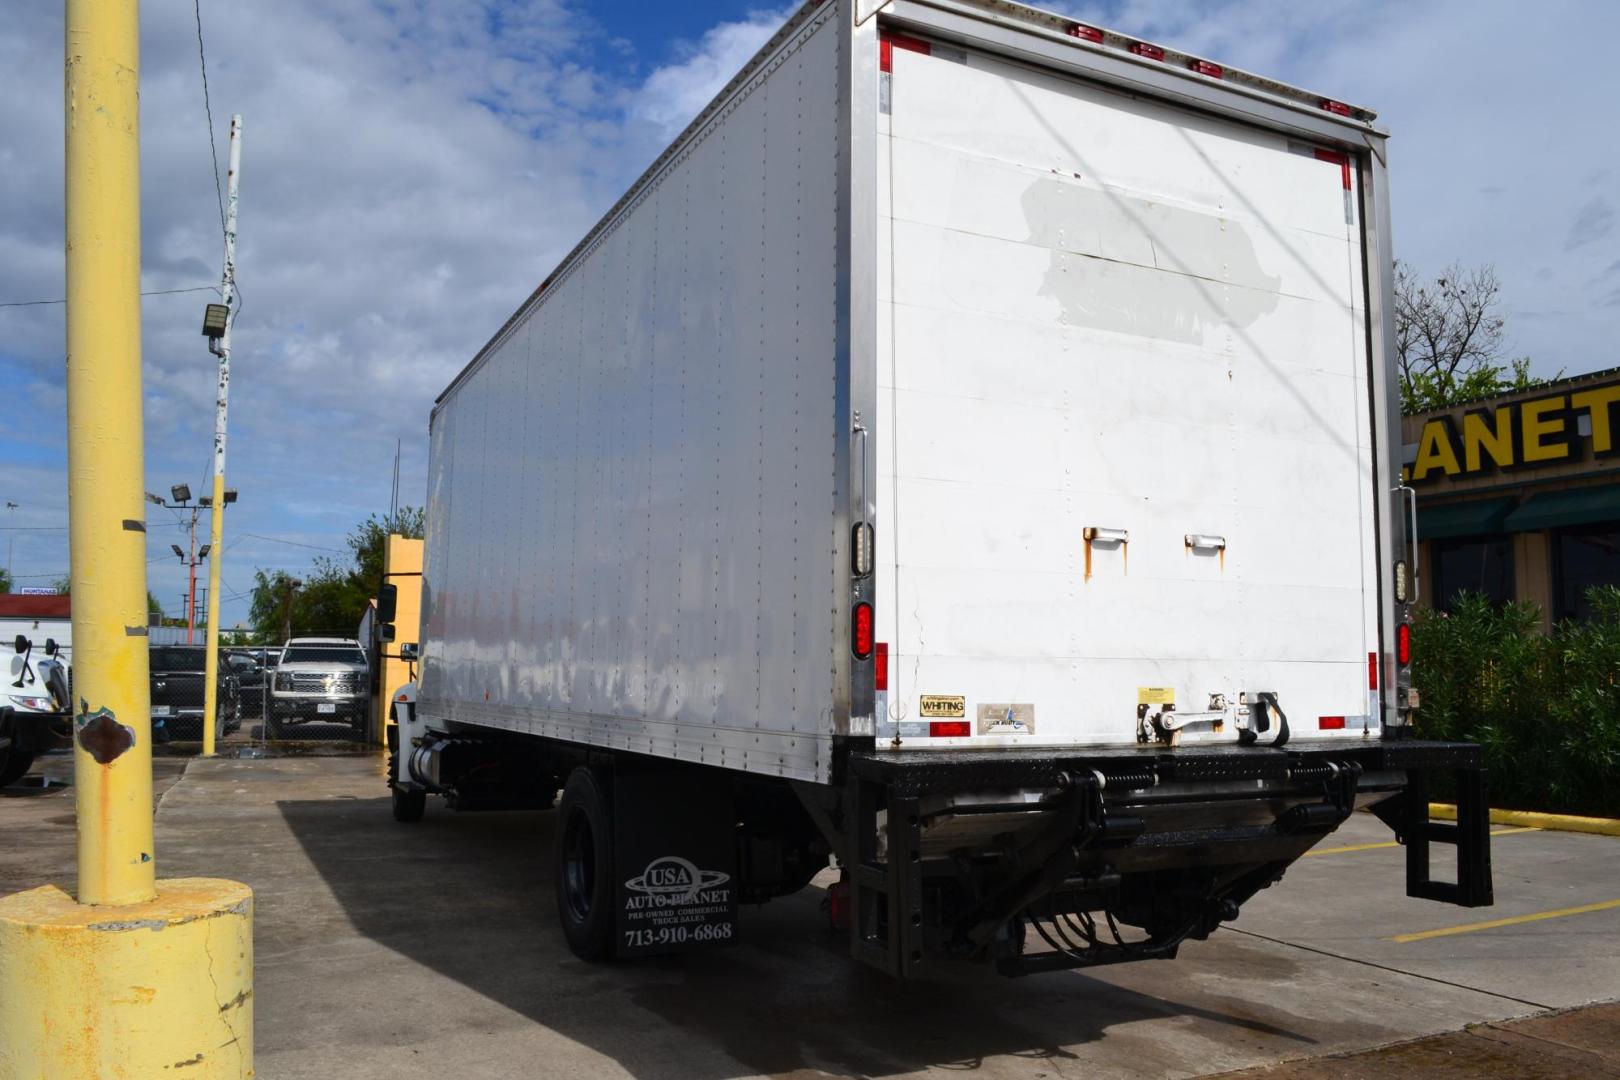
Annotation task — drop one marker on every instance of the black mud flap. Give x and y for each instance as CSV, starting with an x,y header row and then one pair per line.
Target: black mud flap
x,y
675,857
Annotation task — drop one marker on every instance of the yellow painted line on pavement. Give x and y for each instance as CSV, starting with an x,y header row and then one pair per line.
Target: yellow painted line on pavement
x,y
1552,822
1391,843
1516,920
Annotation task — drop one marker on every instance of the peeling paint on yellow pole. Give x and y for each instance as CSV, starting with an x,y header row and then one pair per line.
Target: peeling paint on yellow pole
x,y
134,977
106,512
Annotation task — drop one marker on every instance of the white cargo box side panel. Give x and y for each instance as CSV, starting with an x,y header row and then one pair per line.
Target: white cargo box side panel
x,y
631,519
1103,312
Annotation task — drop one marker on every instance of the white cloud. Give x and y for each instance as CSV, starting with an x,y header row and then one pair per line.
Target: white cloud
x,y
411,170
674,94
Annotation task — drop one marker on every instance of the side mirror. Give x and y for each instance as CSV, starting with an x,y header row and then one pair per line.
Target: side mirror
x,y
386,631
410,651
21,644
51,648
387,603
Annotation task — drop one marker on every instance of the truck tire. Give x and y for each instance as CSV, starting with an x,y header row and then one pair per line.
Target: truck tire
x,y
409,803
583,871
13,764
272,723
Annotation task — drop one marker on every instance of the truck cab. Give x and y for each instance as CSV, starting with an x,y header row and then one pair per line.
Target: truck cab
x,y
35,706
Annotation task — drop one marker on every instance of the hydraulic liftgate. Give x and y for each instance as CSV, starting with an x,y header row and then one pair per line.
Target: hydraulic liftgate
x,y
1093,821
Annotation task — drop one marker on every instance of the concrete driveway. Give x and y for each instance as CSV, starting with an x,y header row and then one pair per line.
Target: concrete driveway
x,y
431,950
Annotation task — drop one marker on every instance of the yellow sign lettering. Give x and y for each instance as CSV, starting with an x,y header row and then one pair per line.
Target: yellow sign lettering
x,y
1479,439
1437,450
1540,421
1599,404
1538,432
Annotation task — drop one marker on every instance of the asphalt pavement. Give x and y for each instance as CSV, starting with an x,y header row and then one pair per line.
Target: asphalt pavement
x,y
430,950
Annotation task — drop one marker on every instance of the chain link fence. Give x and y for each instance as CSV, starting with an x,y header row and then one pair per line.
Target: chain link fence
x,y
315,699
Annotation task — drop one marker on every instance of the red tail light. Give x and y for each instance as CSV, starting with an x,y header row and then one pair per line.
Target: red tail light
x,y
1146,51
950,728
1330,723
1337,108
1403,644
861,631
1204,67
1086,33
1372,671
880,666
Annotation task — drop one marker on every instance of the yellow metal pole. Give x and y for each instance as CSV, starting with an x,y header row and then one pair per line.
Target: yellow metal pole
x,y
112,757
134,978
211,651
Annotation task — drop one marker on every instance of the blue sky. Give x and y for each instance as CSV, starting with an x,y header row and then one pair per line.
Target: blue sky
x,y
413,168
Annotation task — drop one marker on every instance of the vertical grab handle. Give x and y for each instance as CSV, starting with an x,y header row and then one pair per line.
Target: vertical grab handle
x,y
861,554
862,434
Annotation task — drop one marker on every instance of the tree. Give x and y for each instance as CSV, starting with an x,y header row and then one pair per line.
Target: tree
x,y
271,610
369,537
5,581
333,595
1450,339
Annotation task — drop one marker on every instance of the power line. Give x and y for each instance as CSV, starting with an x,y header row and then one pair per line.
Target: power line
x,y
208,108
293,543
154,292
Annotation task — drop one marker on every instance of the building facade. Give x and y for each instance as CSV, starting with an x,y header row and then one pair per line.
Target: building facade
x,y
1519,495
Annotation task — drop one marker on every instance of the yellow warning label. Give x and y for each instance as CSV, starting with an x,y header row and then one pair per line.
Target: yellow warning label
x,y
1155,695
937,705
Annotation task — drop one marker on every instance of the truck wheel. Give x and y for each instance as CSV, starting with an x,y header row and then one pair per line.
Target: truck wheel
x,y
272,724
584,866
409,803
409,806
13,764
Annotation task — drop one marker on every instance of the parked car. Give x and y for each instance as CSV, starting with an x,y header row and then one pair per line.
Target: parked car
x,y
178,674
320,679
249,668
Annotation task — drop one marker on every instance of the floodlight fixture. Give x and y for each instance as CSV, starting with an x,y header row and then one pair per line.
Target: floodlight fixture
x,y
181,493
215,317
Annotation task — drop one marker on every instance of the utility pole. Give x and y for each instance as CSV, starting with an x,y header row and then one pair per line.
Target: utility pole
x,y
10,541
192,556
66,1009
227,292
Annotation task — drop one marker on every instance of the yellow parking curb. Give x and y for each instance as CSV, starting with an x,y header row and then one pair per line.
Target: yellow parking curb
x,y
1533,820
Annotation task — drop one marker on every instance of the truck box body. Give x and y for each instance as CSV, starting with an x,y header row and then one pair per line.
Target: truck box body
x,y
966,451
1095,343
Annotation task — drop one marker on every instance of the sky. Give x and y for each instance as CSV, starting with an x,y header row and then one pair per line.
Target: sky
x,y
411,170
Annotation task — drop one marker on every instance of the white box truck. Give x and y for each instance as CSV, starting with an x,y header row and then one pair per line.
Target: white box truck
x,y
968,455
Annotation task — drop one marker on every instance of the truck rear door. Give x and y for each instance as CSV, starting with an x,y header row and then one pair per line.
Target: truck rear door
x,y
1126,483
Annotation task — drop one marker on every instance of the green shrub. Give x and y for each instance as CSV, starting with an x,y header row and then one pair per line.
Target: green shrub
x,y
1544,708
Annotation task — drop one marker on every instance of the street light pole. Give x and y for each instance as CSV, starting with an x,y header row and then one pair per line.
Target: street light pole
x,y
227,290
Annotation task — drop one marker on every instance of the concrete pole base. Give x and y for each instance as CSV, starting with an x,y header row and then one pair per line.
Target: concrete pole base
x,y
128,990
